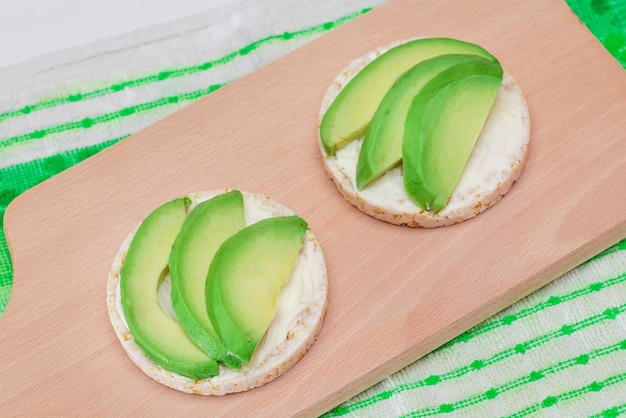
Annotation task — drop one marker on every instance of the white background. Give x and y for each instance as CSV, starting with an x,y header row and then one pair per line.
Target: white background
x,y
31,28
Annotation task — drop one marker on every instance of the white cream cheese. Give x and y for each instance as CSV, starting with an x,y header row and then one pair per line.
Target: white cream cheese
x,y
297,321
495,151
495,164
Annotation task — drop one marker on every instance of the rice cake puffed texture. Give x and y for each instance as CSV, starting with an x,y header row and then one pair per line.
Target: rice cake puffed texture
x,y
495,163
269,361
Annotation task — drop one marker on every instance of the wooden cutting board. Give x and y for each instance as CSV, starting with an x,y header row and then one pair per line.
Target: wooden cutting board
x,y
395,293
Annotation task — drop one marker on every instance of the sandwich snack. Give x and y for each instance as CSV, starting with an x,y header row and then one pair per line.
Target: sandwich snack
x,y
218,292
425,132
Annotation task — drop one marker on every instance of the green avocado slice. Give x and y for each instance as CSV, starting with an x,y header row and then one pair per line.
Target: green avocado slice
x,y
246,277
381,149
442,126
161,338
207,226
349,115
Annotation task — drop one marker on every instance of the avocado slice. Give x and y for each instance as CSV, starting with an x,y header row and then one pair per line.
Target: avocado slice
x,y
161,338
442,126
349,115
381,149
208,225
246,277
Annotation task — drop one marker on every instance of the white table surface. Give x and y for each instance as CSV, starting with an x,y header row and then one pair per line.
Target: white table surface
x,y
32,28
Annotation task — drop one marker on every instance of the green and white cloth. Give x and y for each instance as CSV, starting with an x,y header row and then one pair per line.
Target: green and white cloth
x,y
559,352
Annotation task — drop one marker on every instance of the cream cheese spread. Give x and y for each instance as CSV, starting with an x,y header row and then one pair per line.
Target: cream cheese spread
x,y
496,162
495,151
301,308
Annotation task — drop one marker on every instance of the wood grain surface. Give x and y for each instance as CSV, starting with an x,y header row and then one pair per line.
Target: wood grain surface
x,y
396,293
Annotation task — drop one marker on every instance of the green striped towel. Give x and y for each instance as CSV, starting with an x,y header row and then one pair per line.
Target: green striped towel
x,y
559,352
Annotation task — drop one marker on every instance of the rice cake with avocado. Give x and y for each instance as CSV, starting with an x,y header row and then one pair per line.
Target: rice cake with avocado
x,y
495,162
298,320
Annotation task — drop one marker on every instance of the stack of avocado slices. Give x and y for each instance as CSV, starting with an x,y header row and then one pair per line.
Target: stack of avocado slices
x,y
226,279
422,104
